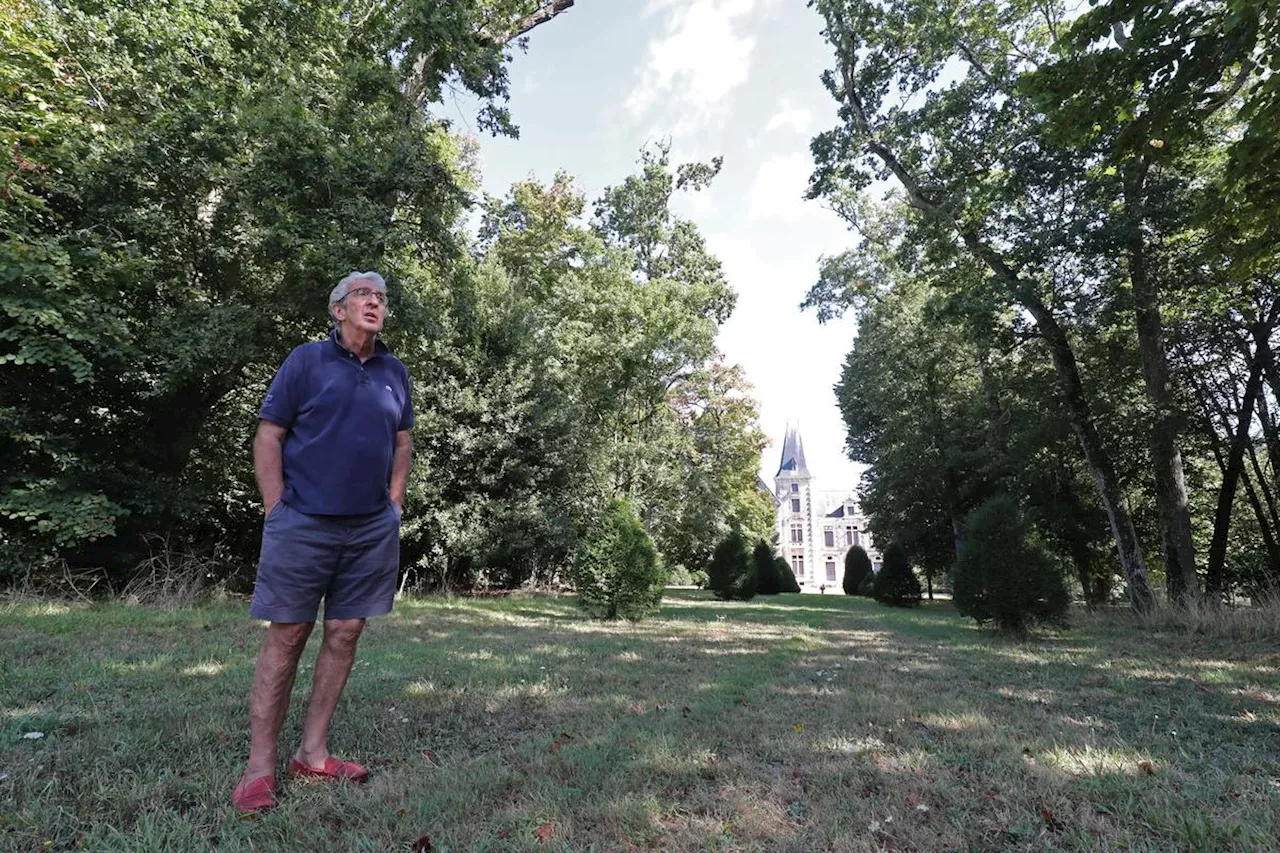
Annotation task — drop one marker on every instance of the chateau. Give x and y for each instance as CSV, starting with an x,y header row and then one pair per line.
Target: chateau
x,y
815,528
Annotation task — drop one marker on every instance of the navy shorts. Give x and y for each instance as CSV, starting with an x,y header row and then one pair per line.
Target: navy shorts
x,y
350,561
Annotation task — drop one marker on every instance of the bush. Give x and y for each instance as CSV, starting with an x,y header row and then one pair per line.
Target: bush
x,y
680,575
732,572
768,581
1005,574
786,578
617,569
857,568
896,585
867,588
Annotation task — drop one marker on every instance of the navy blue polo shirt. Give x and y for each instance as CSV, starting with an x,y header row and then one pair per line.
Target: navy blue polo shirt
x,y
342,418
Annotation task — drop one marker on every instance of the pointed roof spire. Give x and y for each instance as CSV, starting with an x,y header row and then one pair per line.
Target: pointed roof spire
x,y
793,464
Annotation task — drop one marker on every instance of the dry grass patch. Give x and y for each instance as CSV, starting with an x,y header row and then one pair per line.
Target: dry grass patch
x,y
794,724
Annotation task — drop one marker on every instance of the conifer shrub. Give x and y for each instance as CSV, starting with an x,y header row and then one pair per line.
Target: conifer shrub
x,y
867,589
617,569
768,582
786,577
857,568
895,584
732,571
1005,575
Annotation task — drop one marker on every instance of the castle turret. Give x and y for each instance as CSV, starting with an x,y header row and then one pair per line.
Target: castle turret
x,y
793,489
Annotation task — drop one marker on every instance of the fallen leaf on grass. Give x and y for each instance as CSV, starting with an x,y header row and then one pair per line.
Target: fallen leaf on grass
x,y
913,799
545,831
1049,820
799,727
423,845
1147,767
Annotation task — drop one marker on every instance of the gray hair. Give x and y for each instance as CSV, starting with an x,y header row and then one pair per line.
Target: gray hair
x,y
347,284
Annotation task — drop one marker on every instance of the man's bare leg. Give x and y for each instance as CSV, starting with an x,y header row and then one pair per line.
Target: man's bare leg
x,y
272,685
333,665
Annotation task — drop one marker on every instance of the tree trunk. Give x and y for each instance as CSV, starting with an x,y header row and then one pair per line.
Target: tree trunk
x,y
1215,580
1170,483
1096,457
1264,527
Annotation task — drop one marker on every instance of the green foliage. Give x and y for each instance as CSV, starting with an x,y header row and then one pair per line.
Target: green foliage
x,y
1004,574
731,574
896,584
857,568
786,577
556,364
617,570
683,576
867,589
768,580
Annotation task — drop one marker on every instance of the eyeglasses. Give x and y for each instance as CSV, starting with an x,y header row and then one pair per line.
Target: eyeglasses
x,y
367,292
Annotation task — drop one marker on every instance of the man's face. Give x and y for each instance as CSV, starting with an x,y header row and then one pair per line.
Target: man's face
x,y
363,308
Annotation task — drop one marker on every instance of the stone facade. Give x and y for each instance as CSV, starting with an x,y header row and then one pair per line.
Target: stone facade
x,y
815,529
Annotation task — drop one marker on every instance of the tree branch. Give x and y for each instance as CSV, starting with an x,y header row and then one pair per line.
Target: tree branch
x,y
540,17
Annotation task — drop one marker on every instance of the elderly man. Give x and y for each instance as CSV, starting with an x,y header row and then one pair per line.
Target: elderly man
x,y
332,460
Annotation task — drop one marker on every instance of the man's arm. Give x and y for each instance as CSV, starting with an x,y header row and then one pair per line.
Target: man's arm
x,y
400,468
268,462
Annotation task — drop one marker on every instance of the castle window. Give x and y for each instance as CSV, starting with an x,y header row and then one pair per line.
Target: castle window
x,y
829,538
797,565
831,570
855,538
795,505
797,533
848,536
795,488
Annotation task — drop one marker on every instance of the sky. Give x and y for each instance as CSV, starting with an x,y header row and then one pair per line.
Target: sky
x,y
733,78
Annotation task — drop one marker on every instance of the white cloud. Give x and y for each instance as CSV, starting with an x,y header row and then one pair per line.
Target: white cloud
x,y
702,56
789,116
779,187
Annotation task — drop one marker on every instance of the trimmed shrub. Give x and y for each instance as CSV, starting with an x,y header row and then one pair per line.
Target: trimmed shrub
x,y
732,571
857,568
767,580
616,569
1005,575
867,589
896,585
786,578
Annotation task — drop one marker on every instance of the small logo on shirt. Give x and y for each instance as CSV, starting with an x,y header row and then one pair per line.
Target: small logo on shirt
x,y
388,387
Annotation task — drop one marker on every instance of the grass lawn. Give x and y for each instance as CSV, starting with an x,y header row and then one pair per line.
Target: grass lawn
x,y
787,724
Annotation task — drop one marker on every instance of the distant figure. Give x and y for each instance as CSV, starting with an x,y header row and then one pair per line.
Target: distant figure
x,y
332,458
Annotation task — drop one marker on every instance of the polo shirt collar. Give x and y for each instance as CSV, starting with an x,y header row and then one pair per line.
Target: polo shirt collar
x,y
379,348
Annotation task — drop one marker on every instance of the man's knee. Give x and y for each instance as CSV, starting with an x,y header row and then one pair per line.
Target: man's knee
x,y
290,637
342,633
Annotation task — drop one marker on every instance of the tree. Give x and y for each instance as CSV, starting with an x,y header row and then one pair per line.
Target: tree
x,y
981,180
1004,574
731,574
895,584
857,568
616,570
787,578
768,581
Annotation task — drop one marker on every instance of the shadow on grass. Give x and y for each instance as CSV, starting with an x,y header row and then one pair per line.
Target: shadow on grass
x,y
788,723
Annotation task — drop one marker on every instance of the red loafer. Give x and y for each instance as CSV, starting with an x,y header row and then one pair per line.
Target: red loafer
x,y
255,795
334,769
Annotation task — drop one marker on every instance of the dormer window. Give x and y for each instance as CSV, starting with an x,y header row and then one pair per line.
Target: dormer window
x,y
795,488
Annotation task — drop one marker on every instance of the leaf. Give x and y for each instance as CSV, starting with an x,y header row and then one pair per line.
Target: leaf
x,y
545,831
1147,767
423,845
